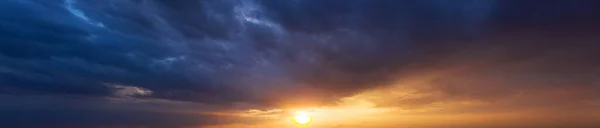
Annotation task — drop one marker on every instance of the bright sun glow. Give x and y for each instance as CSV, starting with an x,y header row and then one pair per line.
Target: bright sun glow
x,y
302,118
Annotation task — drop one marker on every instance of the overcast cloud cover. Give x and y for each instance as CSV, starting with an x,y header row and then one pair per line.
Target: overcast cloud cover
x,y
96,63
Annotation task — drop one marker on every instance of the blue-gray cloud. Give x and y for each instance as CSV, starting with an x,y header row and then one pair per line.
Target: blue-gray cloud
x,y
209,51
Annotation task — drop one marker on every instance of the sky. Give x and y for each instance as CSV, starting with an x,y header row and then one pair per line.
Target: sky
x,y
254,63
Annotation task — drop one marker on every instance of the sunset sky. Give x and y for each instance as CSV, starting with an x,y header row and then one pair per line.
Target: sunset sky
x,y
261,63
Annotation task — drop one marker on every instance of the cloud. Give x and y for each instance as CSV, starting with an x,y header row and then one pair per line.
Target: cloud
x,y
507,74
262,54
161,46
127,91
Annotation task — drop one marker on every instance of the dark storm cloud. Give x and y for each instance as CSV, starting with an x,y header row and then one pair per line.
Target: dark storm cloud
x,y
58,48
265,51
214,51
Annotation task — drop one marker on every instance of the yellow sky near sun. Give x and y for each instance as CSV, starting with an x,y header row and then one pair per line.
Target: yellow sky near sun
x,y
358,113
366,109
356,110
351,111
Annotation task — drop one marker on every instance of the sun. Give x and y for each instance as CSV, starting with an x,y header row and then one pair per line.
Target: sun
x,y
302,118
